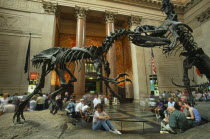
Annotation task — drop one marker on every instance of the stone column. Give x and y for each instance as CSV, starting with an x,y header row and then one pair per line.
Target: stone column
x,y
138,64
49,28
111,55
79,86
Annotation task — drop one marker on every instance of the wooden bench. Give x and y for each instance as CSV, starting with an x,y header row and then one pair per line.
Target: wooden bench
x,y
135,121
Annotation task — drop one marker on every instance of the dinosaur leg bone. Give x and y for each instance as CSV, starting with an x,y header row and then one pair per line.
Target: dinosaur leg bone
x,y
54,103
19,113
186,79
115,80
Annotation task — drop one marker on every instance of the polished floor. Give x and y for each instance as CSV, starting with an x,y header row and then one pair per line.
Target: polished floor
x,y
133,113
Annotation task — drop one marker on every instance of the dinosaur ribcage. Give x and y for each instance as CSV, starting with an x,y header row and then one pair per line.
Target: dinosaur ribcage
x,y
186,38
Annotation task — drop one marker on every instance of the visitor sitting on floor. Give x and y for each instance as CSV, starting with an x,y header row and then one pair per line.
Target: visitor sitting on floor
x,y
78,108
88,113
177,121
170,102
101,119
71,109
160,107
194,115
181,105
84,109
9,108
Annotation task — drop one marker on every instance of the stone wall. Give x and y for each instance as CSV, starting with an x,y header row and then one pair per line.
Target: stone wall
x,y
17,19
198,19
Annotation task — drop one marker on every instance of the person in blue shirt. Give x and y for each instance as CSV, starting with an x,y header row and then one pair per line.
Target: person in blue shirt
x,y
71,108
194,115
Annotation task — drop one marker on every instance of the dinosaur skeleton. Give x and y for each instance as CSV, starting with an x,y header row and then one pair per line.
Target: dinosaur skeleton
x,y
59,59
181,36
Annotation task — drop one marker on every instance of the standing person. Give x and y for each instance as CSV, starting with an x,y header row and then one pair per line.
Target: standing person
x,y
96,100
40,102
45,97
79,108
24,96
106,101
205,96
15,100
59,101
9,108
194,115
101,119
32,104
47,101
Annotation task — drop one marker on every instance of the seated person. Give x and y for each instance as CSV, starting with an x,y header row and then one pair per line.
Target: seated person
x,y
177,106
84,109
101,119
181,106
177,121
170,102
79,107
9,108
194,115
88,113
160,107
71,109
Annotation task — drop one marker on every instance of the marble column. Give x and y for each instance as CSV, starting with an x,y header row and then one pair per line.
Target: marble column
x,y
79,86
49,27
138,64
111,55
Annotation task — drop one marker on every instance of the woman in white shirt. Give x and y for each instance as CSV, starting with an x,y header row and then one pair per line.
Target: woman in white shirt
x,y
101,119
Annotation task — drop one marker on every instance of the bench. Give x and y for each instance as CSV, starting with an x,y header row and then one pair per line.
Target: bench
x,y
121,121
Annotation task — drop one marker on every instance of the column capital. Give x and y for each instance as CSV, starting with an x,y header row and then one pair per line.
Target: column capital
x,y
81,12
49,7
135,20
110,16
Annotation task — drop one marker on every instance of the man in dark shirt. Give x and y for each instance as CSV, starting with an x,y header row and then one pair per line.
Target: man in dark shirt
x,y
67,96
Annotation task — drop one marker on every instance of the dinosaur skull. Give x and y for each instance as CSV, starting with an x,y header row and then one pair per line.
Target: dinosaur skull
x,y
149,36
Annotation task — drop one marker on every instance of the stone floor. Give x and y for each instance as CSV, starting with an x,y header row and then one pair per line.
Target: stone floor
x,y
43,125
133,112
